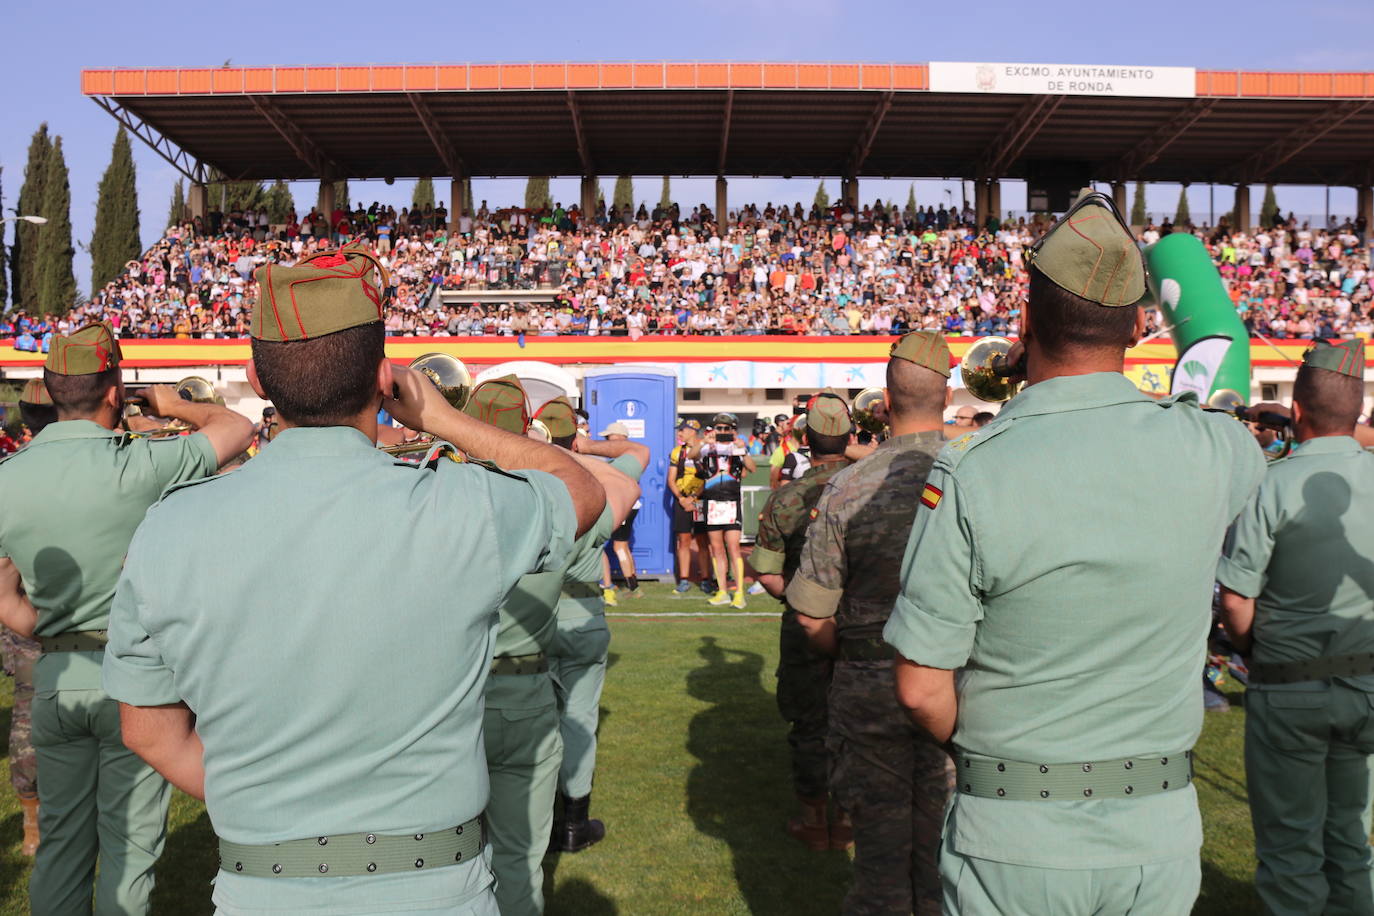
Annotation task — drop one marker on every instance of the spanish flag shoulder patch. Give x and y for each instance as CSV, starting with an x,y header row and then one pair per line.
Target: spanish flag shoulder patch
x,y
815,512
930,496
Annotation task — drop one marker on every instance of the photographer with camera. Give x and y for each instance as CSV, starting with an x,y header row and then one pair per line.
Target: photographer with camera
x,y
722,461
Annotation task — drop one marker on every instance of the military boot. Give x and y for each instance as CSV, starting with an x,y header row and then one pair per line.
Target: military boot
x,y
578,831
811,828
841,830
30,805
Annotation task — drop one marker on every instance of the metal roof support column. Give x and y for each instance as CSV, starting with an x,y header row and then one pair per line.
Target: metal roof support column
x,y
722,202
587,201
1364,207
326,204
455,202
1242,208
1119,196
195,202
995,198
980,202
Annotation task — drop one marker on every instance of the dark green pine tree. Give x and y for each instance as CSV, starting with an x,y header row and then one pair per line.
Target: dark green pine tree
x,y
537,192
423,195
115,240
623,197
4,271
1182,218
911,200
24,262
176,213
279,203
1269,210
56,282
229,196
822,198
1138,216
665,197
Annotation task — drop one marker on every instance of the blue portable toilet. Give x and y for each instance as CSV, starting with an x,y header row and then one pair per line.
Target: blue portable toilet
x,y
645,400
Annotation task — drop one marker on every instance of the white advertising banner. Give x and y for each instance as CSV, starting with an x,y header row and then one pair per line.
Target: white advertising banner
x,y
749,374
1064,79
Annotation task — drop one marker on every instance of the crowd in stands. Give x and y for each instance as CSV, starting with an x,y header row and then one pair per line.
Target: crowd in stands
x,y
774,270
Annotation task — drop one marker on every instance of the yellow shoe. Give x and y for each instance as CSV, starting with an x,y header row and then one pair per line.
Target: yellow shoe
x,y
609,598
719,599
738,600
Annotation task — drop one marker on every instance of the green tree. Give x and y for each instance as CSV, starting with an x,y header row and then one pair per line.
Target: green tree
x,y
665,197
822,198
623,197
537,193
1138,216
911,200
176,213
56,282
1182,218
227,196
24,262
115,240
4,273
279,203
1269,209
423,195
600,195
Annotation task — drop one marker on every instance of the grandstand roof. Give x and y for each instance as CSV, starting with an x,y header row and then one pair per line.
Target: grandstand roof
x,y
774,119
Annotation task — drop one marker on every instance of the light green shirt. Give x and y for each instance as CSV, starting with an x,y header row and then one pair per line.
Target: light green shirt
x,y
329,615
1067,568
586,568
72,500
1304,549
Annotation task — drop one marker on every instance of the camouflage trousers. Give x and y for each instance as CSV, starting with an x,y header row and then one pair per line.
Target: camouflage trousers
x,y
893,781
803,682
19,656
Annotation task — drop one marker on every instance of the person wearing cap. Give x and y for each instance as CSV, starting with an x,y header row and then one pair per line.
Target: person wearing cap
x,y
722,462
73,499
1298,599
1098,569
888,775
334,736
577,657
685,487
523,743
20,654
803,674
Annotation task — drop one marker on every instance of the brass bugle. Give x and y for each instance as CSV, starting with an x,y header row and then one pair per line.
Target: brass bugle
x,y
985,372
193,388
870,411
454,381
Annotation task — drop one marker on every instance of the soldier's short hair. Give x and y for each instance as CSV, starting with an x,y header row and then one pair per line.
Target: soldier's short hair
x,y
1331,402
37,416
322,381
914,390
821,444
1063,321
79,395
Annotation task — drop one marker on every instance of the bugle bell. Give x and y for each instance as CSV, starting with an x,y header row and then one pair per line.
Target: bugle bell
x,y
870,411
454,381
985,372
193,388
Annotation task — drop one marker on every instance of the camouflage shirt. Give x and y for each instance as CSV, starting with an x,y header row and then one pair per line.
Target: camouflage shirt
x,y
784,520
851,566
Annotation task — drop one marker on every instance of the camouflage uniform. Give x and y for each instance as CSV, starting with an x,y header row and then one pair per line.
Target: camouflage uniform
x,y
19,657
803,676
887,774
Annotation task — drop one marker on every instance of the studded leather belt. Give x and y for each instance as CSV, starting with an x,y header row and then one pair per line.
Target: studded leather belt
x,y
353,854
538,663
1127,777
865,649
581,590
75,641
1312,669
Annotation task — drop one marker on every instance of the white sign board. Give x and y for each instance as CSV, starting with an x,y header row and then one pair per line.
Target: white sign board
x,y
1064,79
635,427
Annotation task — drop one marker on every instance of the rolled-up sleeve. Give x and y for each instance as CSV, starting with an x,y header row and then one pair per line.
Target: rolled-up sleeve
x,y
134,671
770,547
1249,545
818,585
939,607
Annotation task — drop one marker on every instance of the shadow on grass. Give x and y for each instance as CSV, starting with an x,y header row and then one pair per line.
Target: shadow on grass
x,y
14,868
740,793
1225,895
187,868
575,896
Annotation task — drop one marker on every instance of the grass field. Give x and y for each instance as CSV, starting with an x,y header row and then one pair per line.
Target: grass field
x,y
692,784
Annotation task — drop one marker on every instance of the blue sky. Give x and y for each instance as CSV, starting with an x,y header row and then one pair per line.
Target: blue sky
x,y
48,45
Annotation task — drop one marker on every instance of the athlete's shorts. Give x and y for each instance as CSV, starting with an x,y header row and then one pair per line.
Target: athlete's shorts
x,y
623,532
682,519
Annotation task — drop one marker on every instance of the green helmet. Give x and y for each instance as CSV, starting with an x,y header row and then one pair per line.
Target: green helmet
x,y
725,419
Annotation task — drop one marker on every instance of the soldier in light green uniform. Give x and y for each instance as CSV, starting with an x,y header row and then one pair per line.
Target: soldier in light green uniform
x,y
577,656
1298,597
72,500
1068,572
304,642
523,745
886,773
804,674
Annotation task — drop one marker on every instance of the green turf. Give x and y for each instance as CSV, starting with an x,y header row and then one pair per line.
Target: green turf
x,y
692,782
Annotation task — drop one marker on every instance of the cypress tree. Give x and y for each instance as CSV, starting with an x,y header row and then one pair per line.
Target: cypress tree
x,y
235,195
1182,218
600,195
1138,216
623,197
423,195
24,266
911,200
176,213
1269,210
279,203
822,198
665,198
340,195
115,239
56,282
4,273
537,192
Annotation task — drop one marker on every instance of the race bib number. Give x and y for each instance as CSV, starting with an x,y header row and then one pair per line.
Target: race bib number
x,y
720,512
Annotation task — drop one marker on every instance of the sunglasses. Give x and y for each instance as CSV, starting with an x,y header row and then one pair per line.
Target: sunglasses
x,y
724,429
